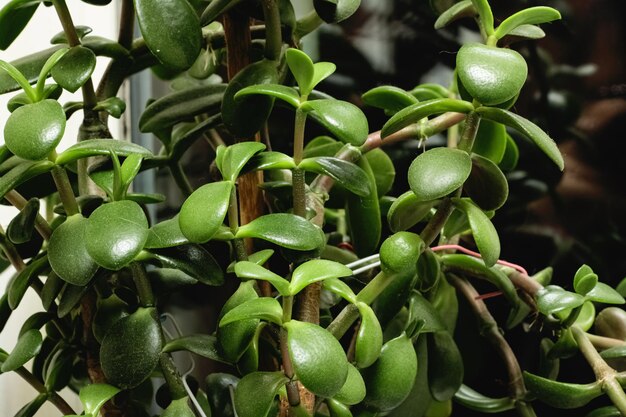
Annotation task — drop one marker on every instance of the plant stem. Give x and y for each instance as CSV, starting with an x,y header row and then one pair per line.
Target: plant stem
x,y
127,24
472,122
524,282
293,393
489,329
298,183
11,254
307,24
180,178
172,377
436,223
66,194
143,285
19,202
233,222
601,342
53,397
273,34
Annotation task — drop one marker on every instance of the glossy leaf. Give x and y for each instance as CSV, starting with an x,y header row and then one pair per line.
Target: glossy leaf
x,y
607,411
286,230
281,92
485,15
527,128
584,282
486,186
201,344
166,234
130,350
604,293
110,310
476,401
458,10
522,33
21,227
334,11
417,112
269,161
27,346
75,68
316,270
21,173
337,286
552,299
321,71
420,309
70,298
561,394
191,259
445,366
179,408
383,169
171,29
353,391
94,396
180,106
347,174
530,16
116,232
236,156
438,172
14,17
250,270
67,252
235,338
202,214
317,357
362,211
100,147
301,67
369,339
29,65
406,211
264,308
343,120
337,409
22,280
256,391
389,98
491,140
484,232
5,311
115,106
34,130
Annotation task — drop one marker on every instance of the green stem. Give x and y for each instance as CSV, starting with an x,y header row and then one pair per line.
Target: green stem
x,y
64,187
273,35
53,397
20,79
436,223
11,253
472,122
172,377
127,24
233,222
143,285
298,183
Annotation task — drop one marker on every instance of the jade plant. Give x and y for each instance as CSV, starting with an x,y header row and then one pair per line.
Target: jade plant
x,y
340,299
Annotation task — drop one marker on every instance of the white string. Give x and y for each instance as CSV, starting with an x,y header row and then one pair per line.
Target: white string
x,y
362,261
366,268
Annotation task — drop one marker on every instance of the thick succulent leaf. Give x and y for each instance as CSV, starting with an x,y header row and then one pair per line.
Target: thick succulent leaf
x,y
14,17
476,401
486,15
522,33
604,293
337,286
353,391
486,186
194,260
22,280
527,128
201,344
334,11
416,112
445,366
94,396
34,130
29,66
560,394
130,350
74,68
321,71
179,408
27,346
338,409
202,214
302,69
236,156
384,170
67,252
269,161
458,10
116,232
344,120
5,312
21,227
250,270
115,106
530,16
422,310
438,172
317,357
281,92
100,147
484,232
406,211
389,98
286,230
255,393
369,339
180,106
491,140
171,29
552,299
264,308
21,173
235,338
166,234
316,270
182,143
347,174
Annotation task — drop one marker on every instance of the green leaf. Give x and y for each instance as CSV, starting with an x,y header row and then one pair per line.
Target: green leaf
x,y
317,357
269,161
192,259
61,37
369,339
100,147
110,310
255,393
250,270
614,352
485,234
171,29
202,214
584,280
14,17
105,47
337,286
486,186
19,284
166,234
29,66
420,309
94,396
201,344
70,298
338,409
603,293
552,299
334,11
347,174
560,394
286,230
74,68
407,210
527,128
34,130
21,173
67,252
179,408
215,9
343,120
129,169
485,15
236,156
115,106
27,346
476,401
607,411
259,258
511,155
316,270
445,366
321,71
383,169
438,172
30,409
522,33
353,391
530,16
281,92
235,338
416,112
457,11
21,227
301,67
130,350
5,312
116,232
388,98
180,106
491,140
263,308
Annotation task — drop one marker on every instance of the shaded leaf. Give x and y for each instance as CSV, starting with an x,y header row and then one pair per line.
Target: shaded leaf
x,y
486,186
256,391
201,344
74,68
250,270
407,210
286,230
560,394
484,232
67,252
27,346
100,147
347,174
343,120
529,16
264,308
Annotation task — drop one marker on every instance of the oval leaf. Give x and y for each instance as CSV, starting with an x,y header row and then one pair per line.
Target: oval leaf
x,y
369,339
255,393
334,11
353,391
281,92
201,344
347,174
485,234
389,98
27,346
202,214
103,147
21,227
530,16
302,69
94,396
445,366
458,10
74,68
406,211
14,17
316,270
236,156
343,120
487,186
166,235
552,299
264,308
250,270
438,172
286,230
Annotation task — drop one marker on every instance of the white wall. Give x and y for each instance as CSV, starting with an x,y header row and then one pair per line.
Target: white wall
x,y
14,392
